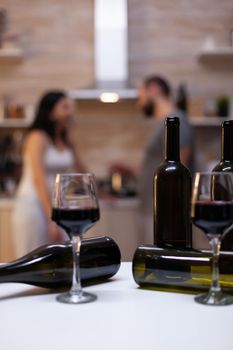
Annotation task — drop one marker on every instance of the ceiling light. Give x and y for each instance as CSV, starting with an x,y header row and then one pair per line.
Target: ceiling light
x,y
109,97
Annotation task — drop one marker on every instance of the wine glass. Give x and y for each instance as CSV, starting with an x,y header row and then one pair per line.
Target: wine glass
x,y
76,210
212,212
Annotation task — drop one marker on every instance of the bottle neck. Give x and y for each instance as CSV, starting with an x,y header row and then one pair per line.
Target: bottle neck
x,y
227,144
172,143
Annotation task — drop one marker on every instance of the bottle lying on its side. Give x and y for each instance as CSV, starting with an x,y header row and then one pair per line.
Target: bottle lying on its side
x,y
50,266
179,270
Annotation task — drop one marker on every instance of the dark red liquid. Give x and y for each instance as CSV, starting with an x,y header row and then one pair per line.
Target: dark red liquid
x,y
75,221
213,217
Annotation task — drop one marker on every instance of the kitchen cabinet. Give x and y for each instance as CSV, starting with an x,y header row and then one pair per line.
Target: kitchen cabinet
x,y
6,244
119,220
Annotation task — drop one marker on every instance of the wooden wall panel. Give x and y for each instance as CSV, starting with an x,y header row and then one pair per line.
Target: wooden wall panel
x,y
61,35
166,36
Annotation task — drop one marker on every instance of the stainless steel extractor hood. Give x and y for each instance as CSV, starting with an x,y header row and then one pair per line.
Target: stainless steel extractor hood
x,y
111,54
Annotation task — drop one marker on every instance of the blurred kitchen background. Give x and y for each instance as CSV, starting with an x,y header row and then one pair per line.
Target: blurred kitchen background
x,y
100,57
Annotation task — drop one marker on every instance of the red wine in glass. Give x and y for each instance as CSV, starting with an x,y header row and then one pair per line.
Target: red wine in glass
x,y
76,210
75,221
213,216
212,212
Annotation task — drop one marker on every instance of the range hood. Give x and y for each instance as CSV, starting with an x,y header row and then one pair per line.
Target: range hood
x,y
111,54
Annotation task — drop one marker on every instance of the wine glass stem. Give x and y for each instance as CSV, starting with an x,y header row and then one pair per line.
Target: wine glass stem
x,y
215,244
76,281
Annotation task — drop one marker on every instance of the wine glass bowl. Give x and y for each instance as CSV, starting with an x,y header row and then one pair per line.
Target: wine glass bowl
x,y
76,210
212,212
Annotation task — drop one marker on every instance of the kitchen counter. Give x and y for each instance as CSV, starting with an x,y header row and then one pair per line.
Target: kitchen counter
x,y
6,202
119,220
120,203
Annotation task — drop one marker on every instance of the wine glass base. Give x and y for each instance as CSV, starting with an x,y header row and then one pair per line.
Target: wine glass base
x,y
214,298
70,298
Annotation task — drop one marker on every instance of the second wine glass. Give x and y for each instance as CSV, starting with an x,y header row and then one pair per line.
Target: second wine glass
x,y
212,212
76,210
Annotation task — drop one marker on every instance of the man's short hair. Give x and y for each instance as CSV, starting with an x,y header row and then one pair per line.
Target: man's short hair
x,y
162,83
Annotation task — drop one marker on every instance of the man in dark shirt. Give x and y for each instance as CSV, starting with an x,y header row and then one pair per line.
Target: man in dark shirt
x,y
156,102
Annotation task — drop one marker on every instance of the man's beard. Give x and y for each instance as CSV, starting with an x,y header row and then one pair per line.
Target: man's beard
x,y
148,109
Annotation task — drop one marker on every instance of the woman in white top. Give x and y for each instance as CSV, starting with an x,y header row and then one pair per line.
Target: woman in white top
x,y
47,151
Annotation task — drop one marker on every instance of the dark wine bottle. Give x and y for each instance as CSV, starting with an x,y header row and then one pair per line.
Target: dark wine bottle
x,y
182,98
179,270
226,165
50,266
172,194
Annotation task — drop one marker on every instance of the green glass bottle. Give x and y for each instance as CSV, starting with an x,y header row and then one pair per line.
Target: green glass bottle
x,y
179,270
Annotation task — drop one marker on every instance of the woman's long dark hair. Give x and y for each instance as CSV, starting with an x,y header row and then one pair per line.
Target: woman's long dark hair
x,y
43,118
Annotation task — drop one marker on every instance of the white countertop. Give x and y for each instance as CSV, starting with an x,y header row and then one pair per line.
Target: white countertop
x,y
123,318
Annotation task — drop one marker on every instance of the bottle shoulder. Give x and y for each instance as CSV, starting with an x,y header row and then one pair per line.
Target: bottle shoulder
x,y
224,166
171,167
